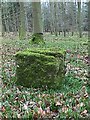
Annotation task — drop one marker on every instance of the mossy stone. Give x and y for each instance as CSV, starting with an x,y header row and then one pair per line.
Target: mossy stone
x,y
37,38
40,68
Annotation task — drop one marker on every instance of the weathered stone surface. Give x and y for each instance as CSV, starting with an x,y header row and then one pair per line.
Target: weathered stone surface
x,y
40,68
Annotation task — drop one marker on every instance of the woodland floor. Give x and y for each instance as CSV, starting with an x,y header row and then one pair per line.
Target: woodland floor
x,y
72,101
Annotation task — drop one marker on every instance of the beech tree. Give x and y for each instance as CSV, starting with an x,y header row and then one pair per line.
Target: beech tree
x,y
72,16
5,18
22,30
51,17
23,17
64,18
0,21
37,20
79,19
55,19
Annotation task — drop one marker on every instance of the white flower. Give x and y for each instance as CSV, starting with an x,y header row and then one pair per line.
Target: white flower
x,y
18,115
25,107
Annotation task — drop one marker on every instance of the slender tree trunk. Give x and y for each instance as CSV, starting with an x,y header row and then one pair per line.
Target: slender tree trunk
x,y
63,18
72,15
51,17
26,23
59,18
55,18
89,38
17,14
0,20
2,28
3,20
79,19
6,22
22,29
14,18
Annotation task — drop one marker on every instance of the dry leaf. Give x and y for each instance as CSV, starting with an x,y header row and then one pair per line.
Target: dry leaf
x,y
47,110
47,103
25,107
84,112
81,104
86,95
78,105
58,103
18,115
65,109
35,116
74,109
41,112
3,109
70,100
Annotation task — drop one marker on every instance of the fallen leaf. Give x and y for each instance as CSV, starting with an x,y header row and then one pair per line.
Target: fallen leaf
x,y
41,112
81,104
18,115
74,109
47,110
3,109
25,107
58,103
84,112
65,109
86,95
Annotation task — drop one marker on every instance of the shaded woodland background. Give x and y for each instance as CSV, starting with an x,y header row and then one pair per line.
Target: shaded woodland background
x,y
58,17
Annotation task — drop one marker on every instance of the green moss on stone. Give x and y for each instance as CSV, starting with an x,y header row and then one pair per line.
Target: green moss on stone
x,y
37,38
40,68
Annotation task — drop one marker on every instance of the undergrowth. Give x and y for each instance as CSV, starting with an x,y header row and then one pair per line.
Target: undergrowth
x,y
71,101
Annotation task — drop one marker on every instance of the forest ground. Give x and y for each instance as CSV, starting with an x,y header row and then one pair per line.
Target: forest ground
x,y
73,98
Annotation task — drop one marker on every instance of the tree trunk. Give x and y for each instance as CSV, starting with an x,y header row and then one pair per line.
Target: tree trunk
x,y
59,18
55,19
89,38
37,23
63,18
51,17
22,30
37,19
5,18
79,19
72,15
0,20
14,18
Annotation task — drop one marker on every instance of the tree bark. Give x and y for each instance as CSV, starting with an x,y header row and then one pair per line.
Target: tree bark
x,y
79,19
22,29
51,17
0,20
37,23
72,15
55,19
63,18
37,18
